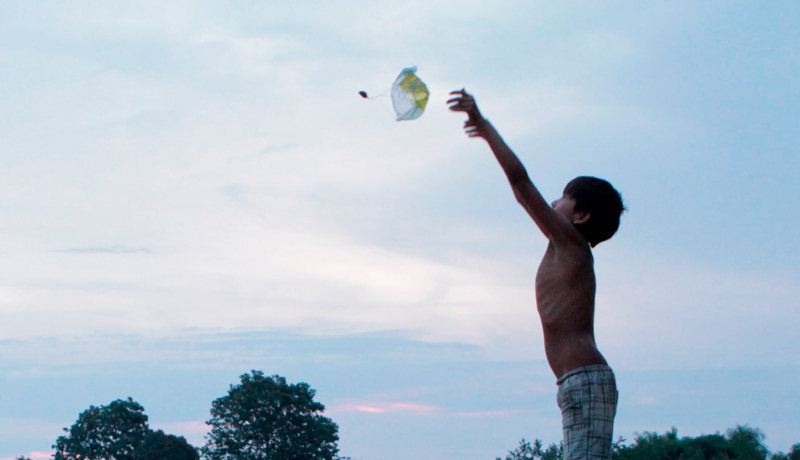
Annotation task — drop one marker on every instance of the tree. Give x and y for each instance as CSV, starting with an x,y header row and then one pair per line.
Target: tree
x,y
264,418
104,433
740,443
793,454
745,443
526,451
119,431
160,446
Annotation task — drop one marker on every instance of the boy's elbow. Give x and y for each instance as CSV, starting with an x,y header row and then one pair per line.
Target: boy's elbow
x,y
520,197
518,177
519,182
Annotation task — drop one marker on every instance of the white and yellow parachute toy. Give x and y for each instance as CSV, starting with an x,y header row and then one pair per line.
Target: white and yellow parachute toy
x,y
409,95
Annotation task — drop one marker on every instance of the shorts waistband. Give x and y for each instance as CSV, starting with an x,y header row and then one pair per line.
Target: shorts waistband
x,y
585,369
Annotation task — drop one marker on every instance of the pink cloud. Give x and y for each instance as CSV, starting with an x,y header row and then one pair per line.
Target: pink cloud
x,y
369,409
35,455
378,408
32,455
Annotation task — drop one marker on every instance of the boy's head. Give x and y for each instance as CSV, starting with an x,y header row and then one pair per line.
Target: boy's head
x,y
601,201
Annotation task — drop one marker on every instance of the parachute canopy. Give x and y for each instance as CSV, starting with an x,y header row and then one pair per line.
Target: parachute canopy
x,y
409,95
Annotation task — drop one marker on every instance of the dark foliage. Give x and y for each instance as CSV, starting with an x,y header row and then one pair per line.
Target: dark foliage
x,y
160,446
793,454
264,418
740,443
119,431
104,433
528,451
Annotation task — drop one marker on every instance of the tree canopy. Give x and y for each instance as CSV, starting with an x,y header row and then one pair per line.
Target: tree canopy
x,y
119,431
109,432
740,443
793,454
528,451
265,418
158,445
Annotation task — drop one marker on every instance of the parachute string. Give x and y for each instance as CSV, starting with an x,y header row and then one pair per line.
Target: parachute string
x,y
390,110
383,94
380,99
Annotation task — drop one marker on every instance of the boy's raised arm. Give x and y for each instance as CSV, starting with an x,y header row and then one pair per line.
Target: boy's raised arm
x,y
554,225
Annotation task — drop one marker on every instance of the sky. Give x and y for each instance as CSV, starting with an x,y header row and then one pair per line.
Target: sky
x,y
192,190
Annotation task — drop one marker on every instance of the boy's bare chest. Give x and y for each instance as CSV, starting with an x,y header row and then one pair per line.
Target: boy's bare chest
x,y
565,286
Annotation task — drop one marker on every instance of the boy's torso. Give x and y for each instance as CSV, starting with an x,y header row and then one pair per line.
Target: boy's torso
x,y
565,290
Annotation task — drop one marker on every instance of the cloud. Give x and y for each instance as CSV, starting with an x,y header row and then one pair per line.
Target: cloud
x,y
388,407
654,311
37,455
109,250
369,409
32,455
265,277
245,241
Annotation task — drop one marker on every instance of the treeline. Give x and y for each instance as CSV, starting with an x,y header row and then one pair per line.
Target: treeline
x,y
265,418
261,418
740,443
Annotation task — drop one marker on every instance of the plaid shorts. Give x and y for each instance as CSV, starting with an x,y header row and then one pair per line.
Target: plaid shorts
x,y
587,397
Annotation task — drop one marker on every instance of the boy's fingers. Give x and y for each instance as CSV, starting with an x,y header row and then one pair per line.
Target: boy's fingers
x,y
461,102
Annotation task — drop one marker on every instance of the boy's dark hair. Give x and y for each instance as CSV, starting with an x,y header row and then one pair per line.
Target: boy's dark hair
x,y
603,203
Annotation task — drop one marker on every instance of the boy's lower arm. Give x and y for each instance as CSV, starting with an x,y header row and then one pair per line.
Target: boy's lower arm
x,y
512,166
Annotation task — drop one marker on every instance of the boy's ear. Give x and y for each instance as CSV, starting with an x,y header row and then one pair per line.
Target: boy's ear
x,y
581,217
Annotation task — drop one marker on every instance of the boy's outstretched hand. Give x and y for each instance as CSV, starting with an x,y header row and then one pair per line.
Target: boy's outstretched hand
x,y
464,102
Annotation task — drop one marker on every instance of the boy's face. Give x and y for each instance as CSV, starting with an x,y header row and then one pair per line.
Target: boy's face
x,y
566,207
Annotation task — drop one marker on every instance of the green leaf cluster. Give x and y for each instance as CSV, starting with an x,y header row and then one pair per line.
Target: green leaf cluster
x,y
119,431
740,443
261,418
528,451
265,418
793,454
158,445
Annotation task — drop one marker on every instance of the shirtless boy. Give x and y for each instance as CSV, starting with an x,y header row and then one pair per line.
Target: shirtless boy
x,y
587,213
